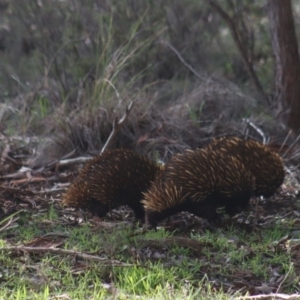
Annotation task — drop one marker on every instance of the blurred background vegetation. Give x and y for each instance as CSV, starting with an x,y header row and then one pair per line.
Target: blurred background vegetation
x,y
72,66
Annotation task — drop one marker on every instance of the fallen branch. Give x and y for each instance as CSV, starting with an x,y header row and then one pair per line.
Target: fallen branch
x,y
72,161
173,241
67,252
270,297
52,191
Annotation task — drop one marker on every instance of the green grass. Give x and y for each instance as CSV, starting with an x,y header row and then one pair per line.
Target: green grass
x,y
166,272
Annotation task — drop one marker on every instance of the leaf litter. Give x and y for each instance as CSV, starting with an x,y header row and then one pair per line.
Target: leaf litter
x,y
27,194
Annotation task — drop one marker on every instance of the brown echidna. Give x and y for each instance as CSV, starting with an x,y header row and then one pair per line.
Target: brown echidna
x,y
115,178
265,165
199,182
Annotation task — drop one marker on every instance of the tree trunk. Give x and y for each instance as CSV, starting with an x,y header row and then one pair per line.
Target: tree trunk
x,y
287,62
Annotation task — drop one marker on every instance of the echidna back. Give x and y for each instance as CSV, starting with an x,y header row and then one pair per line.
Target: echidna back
x,y
199,182
265,165
202,173
117,177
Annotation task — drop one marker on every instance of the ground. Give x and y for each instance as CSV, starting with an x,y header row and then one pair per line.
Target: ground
x,y
48,251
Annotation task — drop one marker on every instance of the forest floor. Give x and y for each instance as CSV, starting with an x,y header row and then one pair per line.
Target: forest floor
x,y
50,252
67,85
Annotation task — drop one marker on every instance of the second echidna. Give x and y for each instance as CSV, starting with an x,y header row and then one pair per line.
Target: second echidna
x,y
199,182
117,177
265,165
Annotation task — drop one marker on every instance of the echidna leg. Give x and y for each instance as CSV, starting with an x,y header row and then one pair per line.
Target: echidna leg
x,y
236,205
153,217
204,210
138,212
98,208
150,219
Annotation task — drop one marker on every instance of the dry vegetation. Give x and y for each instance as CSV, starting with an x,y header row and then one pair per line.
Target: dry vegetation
x,y
61,88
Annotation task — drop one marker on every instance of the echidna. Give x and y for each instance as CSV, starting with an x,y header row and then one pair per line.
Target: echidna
x,y
199,182
265,165
115,178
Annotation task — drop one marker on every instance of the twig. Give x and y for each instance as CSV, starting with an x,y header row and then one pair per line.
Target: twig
x,y
285,140
291,146
71,161
10,220
54,163
115,89
270,297
117,124
67,252
53,190
295,154
182,60
8,224
286,275
174,241
257,129
62,296
11,216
